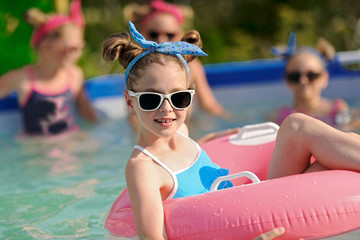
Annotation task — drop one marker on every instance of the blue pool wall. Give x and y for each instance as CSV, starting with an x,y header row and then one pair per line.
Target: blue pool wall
x,y
260,71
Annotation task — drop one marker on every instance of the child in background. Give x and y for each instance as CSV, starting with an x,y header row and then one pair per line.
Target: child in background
x,y
306,77
50,91
162,22
165,163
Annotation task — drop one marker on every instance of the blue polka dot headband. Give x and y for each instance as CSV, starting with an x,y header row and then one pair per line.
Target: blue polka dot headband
x,y
171,48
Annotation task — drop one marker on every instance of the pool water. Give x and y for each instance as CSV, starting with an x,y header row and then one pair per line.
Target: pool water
x,y
62,188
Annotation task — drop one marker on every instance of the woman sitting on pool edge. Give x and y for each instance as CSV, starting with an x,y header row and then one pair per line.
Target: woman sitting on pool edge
x,y
158,94
50,92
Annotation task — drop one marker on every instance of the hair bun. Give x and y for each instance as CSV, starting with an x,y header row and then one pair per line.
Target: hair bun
x,y
120,47
35,17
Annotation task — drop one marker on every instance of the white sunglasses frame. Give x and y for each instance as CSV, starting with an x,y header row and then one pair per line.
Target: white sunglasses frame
x,y
162,98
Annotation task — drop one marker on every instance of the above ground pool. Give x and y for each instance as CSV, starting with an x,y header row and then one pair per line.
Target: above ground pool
x,y
62,188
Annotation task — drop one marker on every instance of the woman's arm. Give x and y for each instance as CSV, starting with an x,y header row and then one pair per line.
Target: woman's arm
x,y
146,201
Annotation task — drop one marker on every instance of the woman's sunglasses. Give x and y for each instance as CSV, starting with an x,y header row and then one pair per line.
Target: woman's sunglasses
x,y
151,101
155,35
294,77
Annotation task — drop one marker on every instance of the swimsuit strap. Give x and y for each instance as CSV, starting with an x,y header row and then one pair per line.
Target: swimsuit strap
x,y
195,143
335,107
155,159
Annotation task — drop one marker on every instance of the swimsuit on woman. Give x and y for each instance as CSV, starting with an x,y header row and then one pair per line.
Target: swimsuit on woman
x,y
47,114
194,179
334,118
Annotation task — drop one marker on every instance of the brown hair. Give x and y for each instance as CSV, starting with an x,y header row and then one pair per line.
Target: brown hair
x,y
36,18
120,47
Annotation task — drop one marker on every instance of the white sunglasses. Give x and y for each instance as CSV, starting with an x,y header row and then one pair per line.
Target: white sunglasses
x,y
151,101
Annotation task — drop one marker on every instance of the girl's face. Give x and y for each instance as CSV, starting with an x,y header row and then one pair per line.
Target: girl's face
x,y
163,27
305,76
166,120
67,48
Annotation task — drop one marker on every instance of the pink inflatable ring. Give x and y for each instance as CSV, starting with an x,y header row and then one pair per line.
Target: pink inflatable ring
x,y
309,206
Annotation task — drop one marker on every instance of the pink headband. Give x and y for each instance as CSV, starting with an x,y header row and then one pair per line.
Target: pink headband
x,y
75,16
160,6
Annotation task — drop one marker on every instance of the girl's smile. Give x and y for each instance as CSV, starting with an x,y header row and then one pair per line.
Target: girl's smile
x,y
165,119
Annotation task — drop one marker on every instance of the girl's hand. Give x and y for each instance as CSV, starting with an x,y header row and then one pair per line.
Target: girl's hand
x,y
271,234
214,135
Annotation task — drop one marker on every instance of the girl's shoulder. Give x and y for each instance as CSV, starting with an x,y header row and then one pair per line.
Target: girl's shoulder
x,y
76,76
138,159
16,74
76,73
340,104
335,105
141,167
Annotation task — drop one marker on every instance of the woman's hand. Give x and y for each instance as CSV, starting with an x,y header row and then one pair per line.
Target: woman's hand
x,y
271,234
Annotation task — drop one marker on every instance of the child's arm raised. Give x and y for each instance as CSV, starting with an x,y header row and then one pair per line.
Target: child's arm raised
x,y
144,189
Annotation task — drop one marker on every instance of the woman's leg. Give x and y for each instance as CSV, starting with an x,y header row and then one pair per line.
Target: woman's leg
x,y
301,137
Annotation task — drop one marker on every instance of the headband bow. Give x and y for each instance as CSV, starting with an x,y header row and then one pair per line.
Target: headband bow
x,y
292,50
171,48
75,16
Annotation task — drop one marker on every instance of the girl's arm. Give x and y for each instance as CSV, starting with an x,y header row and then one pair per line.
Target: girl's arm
x,y
204,94
211,136
84,107
144,189
82,104
271,234
8,82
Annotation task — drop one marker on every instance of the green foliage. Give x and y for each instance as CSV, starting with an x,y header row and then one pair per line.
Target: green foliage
x,y
232,30
15,33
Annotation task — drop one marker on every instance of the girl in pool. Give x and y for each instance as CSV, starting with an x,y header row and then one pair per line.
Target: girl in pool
x,y
306,77
162,22
165,162
50,91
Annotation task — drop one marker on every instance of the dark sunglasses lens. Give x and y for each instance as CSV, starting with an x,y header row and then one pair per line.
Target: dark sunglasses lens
x,y
170,36
149,101
293,77
153,35
181,99
312,76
